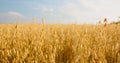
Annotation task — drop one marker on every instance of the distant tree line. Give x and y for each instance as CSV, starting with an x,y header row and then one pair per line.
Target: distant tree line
x,y
117,22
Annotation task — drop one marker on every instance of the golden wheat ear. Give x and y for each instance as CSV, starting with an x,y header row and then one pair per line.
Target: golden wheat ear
x,y
105,21
19,20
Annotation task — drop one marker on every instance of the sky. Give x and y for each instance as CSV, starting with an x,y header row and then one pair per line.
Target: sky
x,y
59,11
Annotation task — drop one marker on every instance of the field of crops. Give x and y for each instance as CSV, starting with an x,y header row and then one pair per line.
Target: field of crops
x,y
58,43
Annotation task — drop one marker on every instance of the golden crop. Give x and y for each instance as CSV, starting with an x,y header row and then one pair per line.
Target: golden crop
x,y
38,43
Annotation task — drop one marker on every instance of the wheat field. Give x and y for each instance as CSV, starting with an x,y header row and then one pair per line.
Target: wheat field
x,y
58,43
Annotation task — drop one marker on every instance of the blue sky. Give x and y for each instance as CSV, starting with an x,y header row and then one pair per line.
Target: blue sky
x,y
59,11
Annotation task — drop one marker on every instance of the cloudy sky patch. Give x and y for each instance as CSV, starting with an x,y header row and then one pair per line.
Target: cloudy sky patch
x,y
60,11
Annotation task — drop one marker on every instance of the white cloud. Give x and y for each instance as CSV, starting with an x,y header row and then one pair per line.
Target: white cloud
x,y
71,9
45,10
91,11
12,13
11,16
77,12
